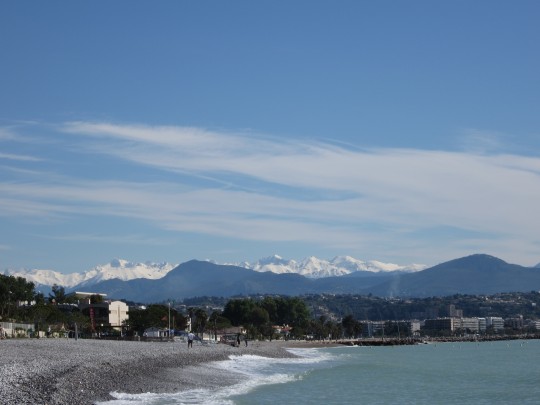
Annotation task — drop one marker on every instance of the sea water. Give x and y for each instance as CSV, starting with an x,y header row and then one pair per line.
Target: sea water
x,y
501,372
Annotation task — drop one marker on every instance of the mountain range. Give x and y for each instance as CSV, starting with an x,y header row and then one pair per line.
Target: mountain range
x,y
117,269
476,274
125,270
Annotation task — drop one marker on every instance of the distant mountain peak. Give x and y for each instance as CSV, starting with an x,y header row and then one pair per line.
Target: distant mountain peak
x,y
479,258
272,260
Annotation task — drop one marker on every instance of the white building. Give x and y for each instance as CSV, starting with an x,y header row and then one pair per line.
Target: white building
x,y
118,314
470,325
535,324
103,314
482,325
154,332
495,322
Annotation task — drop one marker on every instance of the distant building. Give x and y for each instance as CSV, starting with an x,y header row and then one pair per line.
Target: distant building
x,y
118,314
482,325
467,325
515,322
154,332
495,322
104,314
367,329
372,328
534,324
229,335
453,312
282,330
415,326
14,329
440,324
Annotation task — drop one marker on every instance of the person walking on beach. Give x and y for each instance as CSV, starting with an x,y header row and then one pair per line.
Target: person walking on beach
x,y
190,338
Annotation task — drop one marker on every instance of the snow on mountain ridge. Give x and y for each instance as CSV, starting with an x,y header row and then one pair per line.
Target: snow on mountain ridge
x,y
125,270
117,268
314,267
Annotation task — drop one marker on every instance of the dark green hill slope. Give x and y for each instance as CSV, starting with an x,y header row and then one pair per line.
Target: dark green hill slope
x,y
476,274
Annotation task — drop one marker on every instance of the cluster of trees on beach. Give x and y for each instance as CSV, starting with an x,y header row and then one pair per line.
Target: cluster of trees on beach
x,y
13,290
259,316
19,302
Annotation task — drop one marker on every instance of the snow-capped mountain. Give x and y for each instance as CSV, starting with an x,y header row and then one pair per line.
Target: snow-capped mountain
x,y
124,270
313,267
116,269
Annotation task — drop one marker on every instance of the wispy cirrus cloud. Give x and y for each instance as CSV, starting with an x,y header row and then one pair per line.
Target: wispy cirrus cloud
x,y
131,239
267,189
482,142
23,158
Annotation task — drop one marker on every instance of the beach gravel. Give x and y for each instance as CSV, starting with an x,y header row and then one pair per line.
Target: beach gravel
x,y
84,371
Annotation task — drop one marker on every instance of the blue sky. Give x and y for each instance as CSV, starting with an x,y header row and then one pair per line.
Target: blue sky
x,y
406,132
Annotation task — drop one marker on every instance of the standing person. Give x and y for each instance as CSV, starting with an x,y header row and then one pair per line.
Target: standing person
x,y
245,339
190,338
238,340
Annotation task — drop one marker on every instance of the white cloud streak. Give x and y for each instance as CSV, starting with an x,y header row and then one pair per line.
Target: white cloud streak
x,y
349,197
22,158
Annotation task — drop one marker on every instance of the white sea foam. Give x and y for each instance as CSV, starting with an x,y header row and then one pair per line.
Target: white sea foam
x,y
252,371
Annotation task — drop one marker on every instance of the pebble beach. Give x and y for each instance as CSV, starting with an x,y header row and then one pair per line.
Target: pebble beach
x,y
69,371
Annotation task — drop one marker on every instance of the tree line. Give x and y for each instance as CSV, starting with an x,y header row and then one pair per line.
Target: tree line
x,y
268,318
259,316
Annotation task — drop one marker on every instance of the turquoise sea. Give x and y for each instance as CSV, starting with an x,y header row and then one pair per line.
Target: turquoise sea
x,y
505,372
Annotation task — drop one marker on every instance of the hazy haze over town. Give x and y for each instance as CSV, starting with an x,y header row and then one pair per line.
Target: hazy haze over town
x,y
402,132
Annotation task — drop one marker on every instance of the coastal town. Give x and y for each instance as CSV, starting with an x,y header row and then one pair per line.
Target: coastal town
x,y
348,319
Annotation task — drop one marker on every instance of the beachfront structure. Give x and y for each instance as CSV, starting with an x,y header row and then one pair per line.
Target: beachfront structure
x,y
403,328
482,325
441,324
118,314
156,332
372,328
516,322
14,329
495,322
469,325
106,315
283,331
230,335
415,326
454,324
534,324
